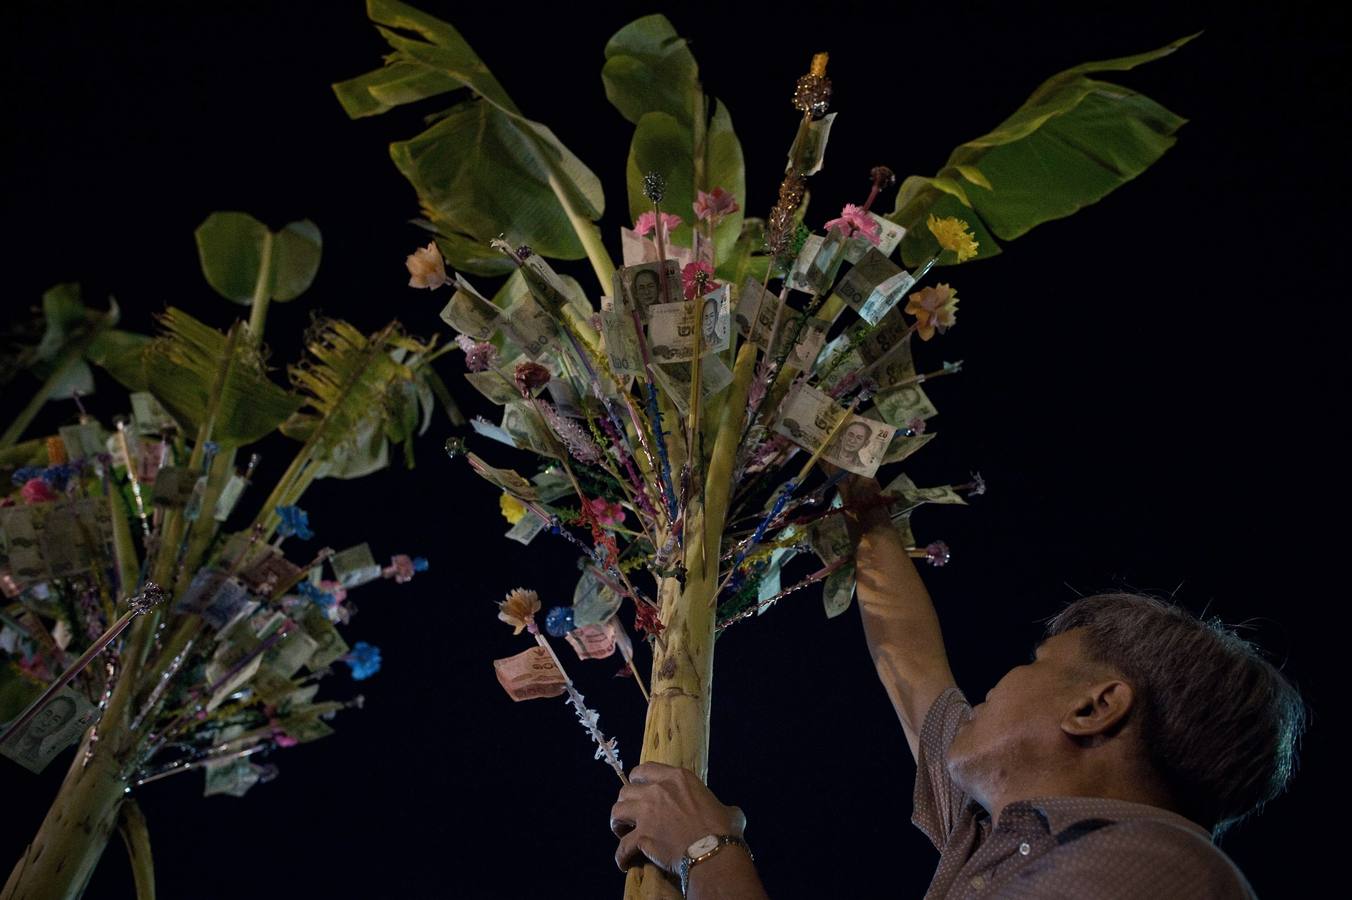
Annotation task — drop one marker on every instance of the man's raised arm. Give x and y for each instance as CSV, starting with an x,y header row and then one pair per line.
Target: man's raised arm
x,y
900,624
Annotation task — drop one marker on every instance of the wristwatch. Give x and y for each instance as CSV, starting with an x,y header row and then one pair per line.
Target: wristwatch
x,y
701,850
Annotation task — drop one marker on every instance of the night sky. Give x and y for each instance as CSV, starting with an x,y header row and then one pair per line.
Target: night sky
x,y
1149,391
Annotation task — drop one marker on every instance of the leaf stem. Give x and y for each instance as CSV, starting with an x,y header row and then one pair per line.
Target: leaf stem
x,y
587,233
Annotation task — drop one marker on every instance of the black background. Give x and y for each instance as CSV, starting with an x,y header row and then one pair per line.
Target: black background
x,y
1150,391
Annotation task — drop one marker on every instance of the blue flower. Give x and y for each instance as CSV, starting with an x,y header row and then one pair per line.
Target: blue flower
x,y
364,659
312,592
559,621
57,476
25,474
419,564
294,522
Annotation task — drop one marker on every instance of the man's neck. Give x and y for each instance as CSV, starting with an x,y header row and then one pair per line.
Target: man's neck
x,y
1103,786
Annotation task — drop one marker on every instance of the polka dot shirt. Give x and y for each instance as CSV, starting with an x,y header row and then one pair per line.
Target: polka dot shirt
x,y
1057,847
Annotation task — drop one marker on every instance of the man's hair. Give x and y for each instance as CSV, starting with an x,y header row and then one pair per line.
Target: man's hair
x,y
1219,723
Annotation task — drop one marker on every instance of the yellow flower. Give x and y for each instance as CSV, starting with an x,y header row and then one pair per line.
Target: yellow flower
x,y
934,308
952,235
519,609
513,510
426,268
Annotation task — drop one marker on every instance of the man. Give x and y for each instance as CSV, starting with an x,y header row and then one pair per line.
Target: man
x,y
844,451
1102,768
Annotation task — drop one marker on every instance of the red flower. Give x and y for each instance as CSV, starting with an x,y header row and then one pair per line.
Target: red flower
x,y
698,279
646,620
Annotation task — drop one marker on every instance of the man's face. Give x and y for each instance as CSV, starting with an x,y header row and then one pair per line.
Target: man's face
x,y
50,719
1017,728
710,318
855,437
645,288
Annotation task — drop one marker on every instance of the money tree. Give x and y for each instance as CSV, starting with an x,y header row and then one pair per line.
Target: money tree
x,y
162,609
694,410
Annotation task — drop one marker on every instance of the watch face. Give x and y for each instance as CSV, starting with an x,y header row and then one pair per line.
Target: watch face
x,y
702,846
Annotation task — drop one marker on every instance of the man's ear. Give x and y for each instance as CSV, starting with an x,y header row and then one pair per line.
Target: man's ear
x,y
1099,711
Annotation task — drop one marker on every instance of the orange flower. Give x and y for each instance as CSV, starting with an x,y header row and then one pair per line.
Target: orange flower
x,y
426,268
934,308
519,609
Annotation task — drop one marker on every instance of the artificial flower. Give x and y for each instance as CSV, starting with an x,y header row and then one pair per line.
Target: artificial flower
x,y
646,620
364,659
916,426
937,554
648,221
605,512
854,220
579,444
402,568
519,609
951,233
35,490
531,376
935,309
713,206
316,594
697,279
479,355
513,510
426,268
295,521
559,621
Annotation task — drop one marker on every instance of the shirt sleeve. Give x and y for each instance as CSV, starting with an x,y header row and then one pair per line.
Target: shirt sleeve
x,y
939,803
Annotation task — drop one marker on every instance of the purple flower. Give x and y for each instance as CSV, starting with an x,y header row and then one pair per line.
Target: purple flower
x,y
937,554
479,355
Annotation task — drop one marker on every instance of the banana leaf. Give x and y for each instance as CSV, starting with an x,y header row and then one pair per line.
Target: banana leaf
x,y
1074,141
181,366
482,168
236,250
652,79
359,395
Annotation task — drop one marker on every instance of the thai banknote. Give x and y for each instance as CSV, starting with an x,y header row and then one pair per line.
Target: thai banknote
x,y
638,250
674,328
149,415
775,320
530,327
527,430
889,236
56,539
811,417
617,327
904,445
594,602
904,487
674,381
470,313
809,146
527,529
800,277
593,641
529,674
874,285
60,723
639,287
901,405
507,479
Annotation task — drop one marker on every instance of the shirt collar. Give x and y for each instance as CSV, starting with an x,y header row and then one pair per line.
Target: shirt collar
x,y
1063,812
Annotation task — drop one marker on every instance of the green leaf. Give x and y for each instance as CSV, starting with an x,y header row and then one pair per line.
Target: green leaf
x,y
237,252
652,79
1074,141
182,366
481,168
119,354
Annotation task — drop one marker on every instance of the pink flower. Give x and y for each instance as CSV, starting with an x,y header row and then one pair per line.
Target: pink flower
x,y
854,220
698,279
937,554
648,220
280,737
714,206
605,512
35,490
916,426
479,356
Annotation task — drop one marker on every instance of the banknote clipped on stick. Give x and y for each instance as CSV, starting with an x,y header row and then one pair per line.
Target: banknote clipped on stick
x,y
810,419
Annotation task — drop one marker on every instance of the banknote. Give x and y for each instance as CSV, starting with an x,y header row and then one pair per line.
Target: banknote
x,y
594,602
874,285
526,530
508,480
592,641
639,287
914,496
354,566
545,284
56,539
899,406
774,319
800,273
829,538
810,416
551,484
83,441
470,313
56,726
495,384
530,327
770,583
838,590
292,652
487,429
638,250
527,430
304,725
674,381
674,328
889,237
149,416
529,674
330,645
809,145
173,486
617,327
566,399
904,445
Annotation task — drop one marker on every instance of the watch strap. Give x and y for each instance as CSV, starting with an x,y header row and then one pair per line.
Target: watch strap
x,y
687,862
